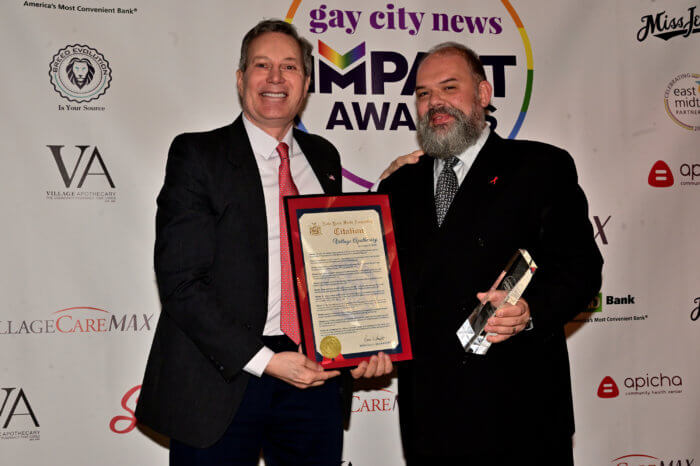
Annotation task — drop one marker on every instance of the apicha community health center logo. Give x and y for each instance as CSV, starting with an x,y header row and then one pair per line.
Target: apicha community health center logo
x,y
80,73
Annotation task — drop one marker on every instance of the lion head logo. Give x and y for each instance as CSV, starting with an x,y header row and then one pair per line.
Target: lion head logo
x,y
80,71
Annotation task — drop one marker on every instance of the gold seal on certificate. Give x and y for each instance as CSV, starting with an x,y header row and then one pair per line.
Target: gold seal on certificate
x,y
330,347
348,282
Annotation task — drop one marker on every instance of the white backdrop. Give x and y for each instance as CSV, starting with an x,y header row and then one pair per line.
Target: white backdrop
x,y
616,83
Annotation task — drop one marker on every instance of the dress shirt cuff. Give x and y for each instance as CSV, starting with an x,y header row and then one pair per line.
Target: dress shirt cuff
x,y
256,366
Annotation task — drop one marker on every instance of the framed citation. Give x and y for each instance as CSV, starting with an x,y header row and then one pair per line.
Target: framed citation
x,y
348,284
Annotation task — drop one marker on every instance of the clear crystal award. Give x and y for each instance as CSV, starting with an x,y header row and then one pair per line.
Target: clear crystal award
x,y
513,280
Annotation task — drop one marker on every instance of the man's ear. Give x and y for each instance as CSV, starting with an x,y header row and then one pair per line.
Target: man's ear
x,y
485,91
239,81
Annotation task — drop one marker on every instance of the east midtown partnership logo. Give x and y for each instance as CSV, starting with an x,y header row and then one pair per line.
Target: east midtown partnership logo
x,y
370,87
80,74
79,320
682,101
661,175
123,424
381,401
18,419
641,385
665,26
640,459
620,304
83,173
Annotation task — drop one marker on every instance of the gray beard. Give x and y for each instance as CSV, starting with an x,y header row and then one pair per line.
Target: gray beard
x,y
457,137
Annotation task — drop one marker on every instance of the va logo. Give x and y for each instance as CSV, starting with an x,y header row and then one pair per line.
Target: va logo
x,y
80,73
95,157
608,388
15,403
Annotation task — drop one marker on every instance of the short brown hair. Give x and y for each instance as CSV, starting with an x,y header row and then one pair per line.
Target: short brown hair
x,y
471,57
276,25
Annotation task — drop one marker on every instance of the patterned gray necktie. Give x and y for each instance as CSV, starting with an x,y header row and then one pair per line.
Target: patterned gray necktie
x,y
446,188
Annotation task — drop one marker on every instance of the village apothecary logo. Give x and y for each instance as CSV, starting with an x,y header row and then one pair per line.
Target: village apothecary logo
x,y
80,73
682,101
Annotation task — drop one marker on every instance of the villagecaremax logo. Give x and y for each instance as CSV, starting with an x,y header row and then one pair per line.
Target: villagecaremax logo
x,y
661,26
79,320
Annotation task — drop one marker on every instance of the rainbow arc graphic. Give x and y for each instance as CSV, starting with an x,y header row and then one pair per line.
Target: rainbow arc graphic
x,y
343,61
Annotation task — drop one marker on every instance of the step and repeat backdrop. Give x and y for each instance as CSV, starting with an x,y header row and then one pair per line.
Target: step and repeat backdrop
x,y
94,91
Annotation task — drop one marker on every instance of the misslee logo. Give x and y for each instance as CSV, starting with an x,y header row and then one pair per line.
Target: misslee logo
x,y
128,422
380,401
663,26
79,320
661,176
647,385
638,459
682,101
608,388
75,165
17,417
80,73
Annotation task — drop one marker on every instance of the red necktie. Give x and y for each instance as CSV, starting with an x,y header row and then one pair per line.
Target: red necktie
x,y
288,310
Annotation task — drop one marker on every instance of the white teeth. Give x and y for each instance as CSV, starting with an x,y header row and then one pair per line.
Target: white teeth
x,y
274,94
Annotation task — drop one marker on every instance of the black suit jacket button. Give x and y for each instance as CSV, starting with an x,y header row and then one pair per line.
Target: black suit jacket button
x,y
480,242
221,368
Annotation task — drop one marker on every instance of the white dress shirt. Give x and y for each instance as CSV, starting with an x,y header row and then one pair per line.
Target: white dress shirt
x,y
465,159
268,161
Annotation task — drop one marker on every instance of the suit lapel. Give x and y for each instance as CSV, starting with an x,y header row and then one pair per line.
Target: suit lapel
x,y
320,162
482,182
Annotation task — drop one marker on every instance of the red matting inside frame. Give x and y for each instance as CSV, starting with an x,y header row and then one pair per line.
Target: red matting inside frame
x,y
297,206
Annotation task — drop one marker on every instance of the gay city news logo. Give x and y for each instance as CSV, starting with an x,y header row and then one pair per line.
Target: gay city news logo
x,y
641,385
661,175
17,417
80,73
640,459
682,101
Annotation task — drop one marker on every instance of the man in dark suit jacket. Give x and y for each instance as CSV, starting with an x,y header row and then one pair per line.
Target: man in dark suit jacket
x,y
459,216
222,379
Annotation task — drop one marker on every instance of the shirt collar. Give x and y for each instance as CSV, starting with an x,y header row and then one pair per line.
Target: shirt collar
x,y
265,145
467,157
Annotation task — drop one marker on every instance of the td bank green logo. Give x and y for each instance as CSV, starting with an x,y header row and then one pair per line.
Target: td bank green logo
x,y
596,305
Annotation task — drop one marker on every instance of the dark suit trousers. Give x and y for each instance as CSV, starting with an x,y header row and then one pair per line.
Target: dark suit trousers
x,y
507,448
291,426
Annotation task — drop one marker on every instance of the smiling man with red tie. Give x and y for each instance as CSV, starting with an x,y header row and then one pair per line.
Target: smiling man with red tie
x,y
225,379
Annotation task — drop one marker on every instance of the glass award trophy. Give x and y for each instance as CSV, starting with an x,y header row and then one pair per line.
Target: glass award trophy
x,y
513,281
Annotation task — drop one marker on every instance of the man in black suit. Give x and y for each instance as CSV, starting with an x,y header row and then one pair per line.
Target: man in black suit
x,y
224,378
459,216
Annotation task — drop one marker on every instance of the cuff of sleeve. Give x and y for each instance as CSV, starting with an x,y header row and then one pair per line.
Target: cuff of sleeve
x,y
256,366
